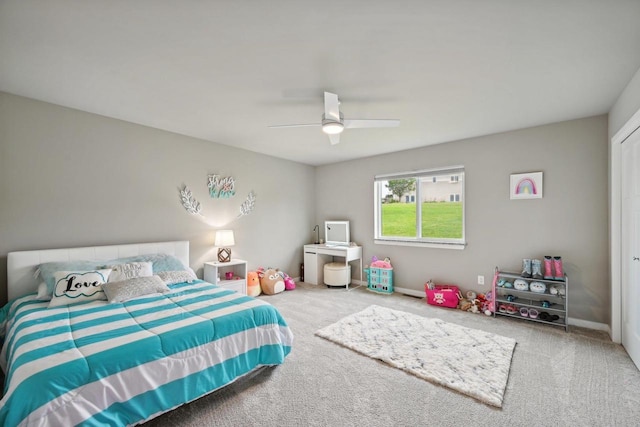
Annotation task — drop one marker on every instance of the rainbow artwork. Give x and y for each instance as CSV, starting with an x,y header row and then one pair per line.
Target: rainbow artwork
x,y
526,185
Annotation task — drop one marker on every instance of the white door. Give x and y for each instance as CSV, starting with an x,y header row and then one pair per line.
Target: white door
x,y
631,246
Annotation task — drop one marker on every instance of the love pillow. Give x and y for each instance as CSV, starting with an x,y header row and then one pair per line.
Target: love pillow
x,y
78,286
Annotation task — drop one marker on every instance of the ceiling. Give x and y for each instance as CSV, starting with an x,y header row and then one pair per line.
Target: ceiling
x,y
223,71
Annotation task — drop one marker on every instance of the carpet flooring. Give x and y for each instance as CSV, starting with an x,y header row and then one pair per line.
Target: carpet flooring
x,y
578,378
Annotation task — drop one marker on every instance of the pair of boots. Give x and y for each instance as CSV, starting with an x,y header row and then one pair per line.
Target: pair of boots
x,y
555,264
532,268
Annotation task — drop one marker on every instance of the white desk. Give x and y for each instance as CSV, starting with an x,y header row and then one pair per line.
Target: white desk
x,y
316,256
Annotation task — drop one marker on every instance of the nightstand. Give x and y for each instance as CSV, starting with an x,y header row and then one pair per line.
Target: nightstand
x,y
217,272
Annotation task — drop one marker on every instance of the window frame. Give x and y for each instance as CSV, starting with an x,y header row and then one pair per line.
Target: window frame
x,y
418,241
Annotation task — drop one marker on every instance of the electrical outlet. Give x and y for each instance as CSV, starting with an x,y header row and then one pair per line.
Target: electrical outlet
x,y
480,280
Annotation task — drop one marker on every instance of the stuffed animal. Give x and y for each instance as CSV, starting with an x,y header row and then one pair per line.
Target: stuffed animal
x,y
475,306
253,284
271,282
464,304
289,284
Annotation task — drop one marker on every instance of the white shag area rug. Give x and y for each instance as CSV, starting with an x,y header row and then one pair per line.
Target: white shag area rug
x,y
470,361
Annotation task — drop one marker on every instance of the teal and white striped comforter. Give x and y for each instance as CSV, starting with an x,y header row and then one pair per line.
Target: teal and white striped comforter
x,y
97,363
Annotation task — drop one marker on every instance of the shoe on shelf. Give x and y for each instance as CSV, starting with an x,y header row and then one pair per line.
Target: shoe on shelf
x,y
526,268
533,313
557,290
548,317
548,267
536,268
558,270
524,312
511,309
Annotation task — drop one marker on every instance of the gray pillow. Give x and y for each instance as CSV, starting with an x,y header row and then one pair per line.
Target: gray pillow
x,y
132,288
173,277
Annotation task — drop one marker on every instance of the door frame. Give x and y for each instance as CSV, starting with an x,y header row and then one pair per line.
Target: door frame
x,y
615,221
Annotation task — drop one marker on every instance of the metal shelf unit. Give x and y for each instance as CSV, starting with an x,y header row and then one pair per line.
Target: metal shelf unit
x,y
558,304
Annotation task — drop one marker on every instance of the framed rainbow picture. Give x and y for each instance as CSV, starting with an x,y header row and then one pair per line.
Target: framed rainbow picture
x,y
526,185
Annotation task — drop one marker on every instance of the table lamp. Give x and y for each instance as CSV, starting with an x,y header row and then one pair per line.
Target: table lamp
x,y
224,239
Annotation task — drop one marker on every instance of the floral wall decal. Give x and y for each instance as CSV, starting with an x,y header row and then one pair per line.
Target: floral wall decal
x,y
221,188
189,202
248,205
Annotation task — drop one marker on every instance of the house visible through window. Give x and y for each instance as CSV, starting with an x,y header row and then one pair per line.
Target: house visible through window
x,y
424,207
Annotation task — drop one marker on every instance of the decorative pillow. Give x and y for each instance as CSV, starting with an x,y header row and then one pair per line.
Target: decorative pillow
x,y
130,270
43,293
161,262
77,286
132,288
173,277
48,269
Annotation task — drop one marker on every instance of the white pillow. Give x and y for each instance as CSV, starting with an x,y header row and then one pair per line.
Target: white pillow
x,y
132,288
130,270
77,286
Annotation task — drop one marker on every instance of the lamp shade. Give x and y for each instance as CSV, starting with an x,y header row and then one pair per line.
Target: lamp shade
x,y
224,238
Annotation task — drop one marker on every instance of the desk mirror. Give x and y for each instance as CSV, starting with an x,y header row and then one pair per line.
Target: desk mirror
x,y
337,233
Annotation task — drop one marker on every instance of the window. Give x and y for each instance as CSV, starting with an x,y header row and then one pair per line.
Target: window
x,y
420,208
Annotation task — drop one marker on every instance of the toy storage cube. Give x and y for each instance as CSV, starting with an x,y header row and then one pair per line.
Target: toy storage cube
x,y
337,274
380,280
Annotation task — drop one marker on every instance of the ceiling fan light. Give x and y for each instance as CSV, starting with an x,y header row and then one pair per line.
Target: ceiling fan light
x,y
332,128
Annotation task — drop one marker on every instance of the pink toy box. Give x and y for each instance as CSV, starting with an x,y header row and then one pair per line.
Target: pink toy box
x,y
442,295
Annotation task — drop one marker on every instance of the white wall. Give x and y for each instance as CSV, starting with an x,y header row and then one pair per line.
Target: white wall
x,y
70,178
570,220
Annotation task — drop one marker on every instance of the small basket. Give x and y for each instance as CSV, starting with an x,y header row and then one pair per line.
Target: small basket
x,y
442,295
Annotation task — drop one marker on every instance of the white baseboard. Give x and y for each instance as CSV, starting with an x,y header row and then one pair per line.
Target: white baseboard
x,y
590,325
573,322
411,292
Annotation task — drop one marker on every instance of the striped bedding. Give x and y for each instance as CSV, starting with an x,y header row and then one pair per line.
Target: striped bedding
x,y
97,363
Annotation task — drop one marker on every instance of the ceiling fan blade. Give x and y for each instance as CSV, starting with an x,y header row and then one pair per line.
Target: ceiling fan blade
x,y
371,123
295,126
331,106
335,138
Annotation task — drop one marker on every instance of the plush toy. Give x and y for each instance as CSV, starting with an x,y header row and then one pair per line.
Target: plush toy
x,y
464,304
488,305
253,284
271,282
289,284
475,306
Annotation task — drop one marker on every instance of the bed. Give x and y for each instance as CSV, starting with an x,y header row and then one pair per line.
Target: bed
x,y
123,363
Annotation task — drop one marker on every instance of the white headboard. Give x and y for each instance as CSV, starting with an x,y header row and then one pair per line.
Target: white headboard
x,y
22,265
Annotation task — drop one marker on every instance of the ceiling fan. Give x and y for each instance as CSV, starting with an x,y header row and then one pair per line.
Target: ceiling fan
x,y
333,121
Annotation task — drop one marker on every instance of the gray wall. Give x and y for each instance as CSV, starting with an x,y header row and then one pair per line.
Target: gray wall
x,y
69,178
570,220
626,105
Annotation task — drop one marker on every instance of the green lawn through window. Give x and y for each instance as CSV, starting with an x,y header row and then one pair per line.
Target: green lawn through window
x,y
439,220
